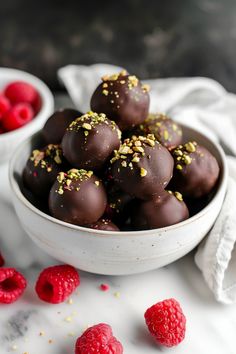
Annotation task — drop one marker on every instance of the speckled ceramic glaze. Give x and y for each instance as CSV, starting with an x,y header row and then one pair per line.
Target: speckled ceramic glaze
x,y
10,140
115,253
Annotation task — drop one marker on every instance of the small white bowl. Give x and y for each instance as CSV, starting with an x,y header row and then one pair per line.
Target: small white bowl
x,y
115,253
10,140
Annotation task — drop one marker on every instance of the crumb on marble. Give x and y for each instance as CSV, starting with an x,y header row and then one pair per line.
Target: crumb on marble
x,y
68,319
71,334
117,294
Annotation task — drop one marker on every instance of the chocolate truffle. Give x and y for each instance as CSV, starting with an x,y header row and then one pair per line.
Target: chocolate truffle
x,y
118,206
142,167
196,170
56,125
90,140
77,197
165,130
165,209
104,224
123,99
42,168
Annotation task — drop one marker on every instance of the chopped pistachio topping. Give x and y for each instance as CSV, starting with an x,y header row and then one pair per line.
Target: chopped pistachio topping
x,y
187,159
178,196
65,180
134,147
132,81
45,158
174,127
138,149
157,117
145,88
190,147
143,172
166,134
61,177
182,154
87,126
105,92
114,77
162,126
90,120
136,159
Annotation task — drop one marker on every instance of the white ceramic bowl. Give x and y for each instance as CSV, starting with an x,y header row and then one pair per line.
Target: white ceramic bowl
x,y
114,253
10,140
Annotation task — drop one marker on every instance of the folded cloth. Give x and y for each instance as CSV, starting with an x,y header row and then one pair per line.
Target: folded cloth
x,y
205,105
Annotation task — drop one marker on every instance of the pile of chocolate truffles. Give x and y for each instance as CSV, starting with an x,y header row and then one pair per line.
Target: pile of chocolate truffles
x,y
118,167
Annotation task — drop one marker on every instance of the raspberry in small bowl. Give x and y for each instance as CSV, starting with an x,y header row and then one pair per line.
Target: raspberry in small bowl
x,y
25,104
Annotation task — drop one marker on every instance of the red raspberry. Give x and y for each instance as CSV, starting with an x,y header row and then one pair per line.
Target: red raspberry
x,y
4,105
166,322
21,92
17,116
55,284
12,285
1,260
98,339
37,104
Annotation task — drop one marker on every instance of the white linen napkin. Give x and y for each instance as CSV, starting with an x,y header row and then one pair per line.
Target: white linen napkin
x,y
205,105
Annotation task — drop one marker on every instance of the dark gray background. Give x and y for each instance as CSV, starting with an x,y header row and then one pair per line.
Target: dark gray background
x,y
151,38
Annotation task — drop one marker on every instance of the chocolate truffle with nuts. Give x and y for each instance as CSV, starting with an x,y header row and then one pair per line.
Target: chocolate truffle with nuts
x,y
104,224
42,168
118,206
196,170
77,197
165,209
142,167
55,126
165,130
123,98
90,140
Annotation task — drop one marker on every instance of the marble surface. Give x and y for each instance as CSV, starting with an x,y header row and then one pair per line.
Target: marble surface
x,y
210,325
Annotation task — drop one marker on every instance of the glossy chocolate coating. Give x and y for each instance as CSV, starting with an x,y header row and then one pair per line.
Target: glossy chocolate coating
x,y
196,170
123,99
165,130
55,126
142,167
166,209
42,168
90,140
104,224
77,197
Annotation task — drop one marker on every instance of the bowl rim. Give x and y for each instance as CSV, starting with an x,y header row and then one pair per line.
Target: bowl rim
x,y
44,92
17,191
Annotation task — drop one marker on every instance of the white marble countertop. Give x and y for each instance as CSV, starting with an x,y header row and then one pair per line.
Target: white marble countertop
x,y
210,325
